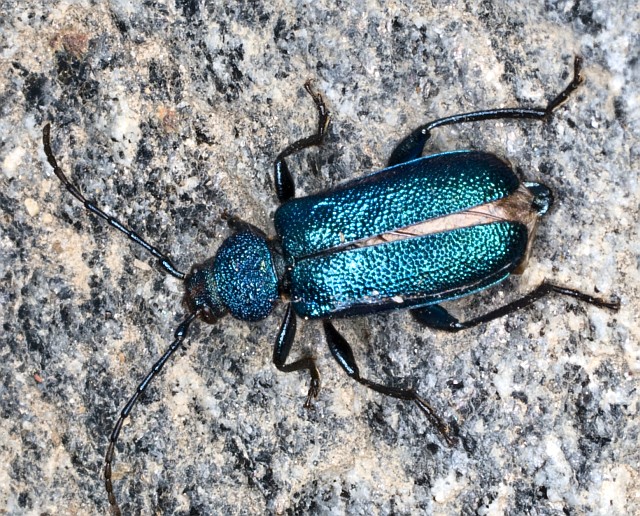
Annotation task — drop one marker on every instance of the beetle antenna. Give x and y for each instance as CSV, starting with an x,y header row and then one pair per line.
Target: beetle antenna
x,y
90,206
179,336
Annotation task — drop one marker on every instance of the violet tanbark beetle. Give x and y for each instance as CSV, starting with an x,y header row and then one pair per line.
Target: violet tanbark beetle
x,y
421,231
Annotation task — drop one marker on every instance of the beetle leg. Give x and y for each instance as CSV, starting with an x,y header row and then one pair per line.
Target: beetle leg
x,y
437,318
412,146
285,186
281,351
341,351
434,316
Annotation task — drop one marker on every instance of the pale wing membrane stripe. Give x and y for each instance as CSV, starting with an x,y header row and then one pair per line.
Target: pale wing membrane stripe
x,y
516,207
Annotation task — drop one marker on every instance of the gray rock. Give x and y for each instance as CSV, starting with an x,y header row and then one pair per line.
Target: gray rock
x,y
169,114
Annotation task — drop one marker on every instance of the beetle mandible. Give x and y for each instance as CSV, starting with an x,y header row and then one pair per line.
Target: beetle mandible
x,y
422,231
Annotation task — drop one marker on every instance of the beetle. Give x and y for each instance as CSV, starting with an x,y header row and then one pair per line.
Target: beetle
x,y
419,232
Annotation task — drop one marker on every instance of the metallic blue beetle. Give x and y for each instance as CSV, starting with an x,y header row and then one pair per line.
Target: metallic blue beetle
x,y
422,231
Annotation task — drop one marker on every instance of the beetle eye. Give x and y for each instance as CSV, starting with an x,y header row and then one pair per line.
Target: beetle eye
x,y
207,316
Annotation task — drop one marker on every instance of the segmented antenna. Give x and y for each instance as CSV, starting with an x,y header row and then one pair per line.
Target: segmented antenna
x,y
90,206
179,337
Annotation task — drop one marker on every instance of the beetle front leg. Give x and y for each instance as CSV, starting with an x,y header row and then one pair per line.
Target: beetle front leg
x,y
436,317
341,351
281,351
285,186
412,146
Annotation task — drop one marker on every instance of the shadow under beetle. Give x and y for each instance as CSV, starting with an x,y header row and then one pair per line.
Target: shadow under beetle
x,y
422,231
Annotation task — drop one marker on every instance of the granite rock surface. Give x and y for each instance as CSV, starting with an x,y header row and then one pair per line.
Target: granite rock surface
x,y
169,114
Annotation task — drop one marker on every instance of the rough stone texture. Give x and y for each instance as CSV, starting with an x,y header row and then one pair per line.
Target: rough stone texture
x,y
169,114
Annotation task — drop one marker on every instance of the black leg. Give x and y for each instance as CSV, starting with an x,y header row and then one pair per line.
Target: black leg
x,y
179,336
341,351
434,316
281,351
89,206
412,146
285,186
437,318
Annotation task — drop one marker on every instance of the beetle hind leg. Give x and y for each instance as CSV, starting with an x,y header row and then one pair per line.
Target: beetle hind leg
x,y
341,351
412,146
281,352
436,317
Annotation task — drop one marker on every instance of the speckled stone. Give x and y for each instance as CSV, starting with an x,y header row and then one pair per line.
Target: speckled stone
x,y
170,114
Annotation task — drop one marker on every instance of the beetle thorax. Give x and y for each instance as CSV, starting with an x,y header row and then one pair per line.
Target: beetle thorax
x,y
241,279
